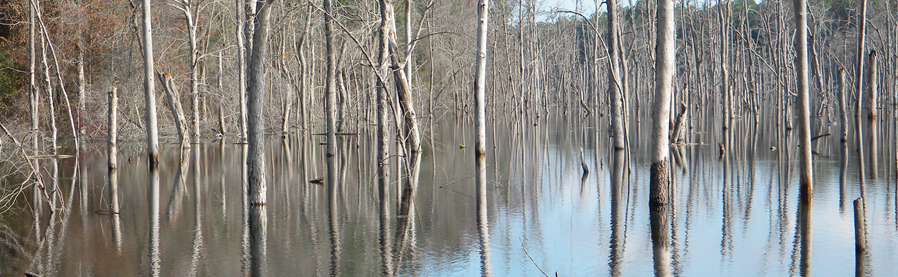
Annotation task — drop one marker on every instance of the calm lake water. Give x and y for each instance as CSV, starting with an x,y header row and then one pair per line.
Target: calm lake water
x,y
737,216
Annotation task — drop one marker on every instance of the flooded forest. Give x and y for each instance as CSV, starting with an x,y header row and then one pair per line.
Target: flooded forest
x,y
448,138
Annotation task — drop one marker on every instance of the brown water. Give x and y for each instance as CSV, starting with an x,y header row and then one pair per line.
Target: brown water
x,y
735,216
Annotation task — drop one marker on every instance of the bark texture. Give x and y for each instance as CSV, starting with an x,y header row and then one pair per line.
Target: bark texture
x,y
256,98
665,68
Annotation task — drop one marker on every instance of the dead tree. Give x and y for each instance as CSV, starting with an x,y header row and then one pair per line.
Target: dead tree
x,y
149,88
256,98
872,120
804,106
241,66
191,11
665,64
174,104
480,133
858,85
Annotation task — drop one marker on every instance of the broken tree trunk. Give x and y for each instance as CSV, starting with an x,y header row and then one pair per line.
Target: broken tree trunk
x,y
873,93
665,63
174,105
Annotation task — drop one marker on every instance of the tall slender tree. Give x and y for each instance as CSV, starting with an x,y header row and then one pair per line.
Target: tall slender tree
x,y
256,97
872,121
330,97
149,88
665,66
382,138
255,159
859,85
480,131
615,86
804,108
191,10
241,65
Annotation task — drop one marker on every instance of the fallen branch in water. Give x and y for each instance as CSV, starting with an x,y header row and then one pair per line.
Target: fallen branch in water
x,y
35,173
818,137
531,258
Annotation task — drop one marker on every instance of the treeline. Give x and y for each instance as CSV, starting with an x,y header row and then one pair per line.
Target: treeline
x,y
733,58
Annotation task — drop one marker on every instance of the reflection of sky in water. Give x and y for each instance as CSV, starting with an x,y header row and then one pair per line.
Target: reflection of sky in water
x,y
568,229
535,198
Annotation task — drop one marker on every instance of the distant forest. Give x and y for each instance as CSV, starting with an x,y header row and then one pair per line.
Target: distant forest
x,y
540,57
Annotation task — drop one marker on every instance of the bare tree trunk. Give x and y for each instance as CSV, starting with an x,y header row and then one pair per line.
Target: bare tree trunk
x,y
615,88
50,100
804,106
382,138
241,66
152,138
113,169
383,151
341,100
255,159
174,104
250,8
190,14
858,85
149,88
330,99
480,134
82,91
288,104
843,106
724,19
32,87
665,65
45,44
256,98
409,127
410,62
113,150
222,125
304,90
872,120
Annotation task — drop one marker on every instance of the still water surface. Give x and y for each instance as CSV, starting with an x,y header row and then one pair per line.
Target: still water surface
x,y
736,216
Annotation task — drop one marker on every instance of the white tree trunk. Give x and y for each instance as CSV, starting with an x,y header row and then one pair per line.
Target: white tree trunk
x,y
174,104
241,66
113,150
480,134
149,86
804,108
615,86
665,68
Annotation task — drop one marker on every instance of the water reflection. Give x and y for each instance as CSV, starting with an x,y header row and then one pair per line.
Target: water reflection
x,y
659,217
179,188
155,262
333,191
405,216
618,211
245,244
483,232
804,226
536,199
259,233
198,217
112,177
